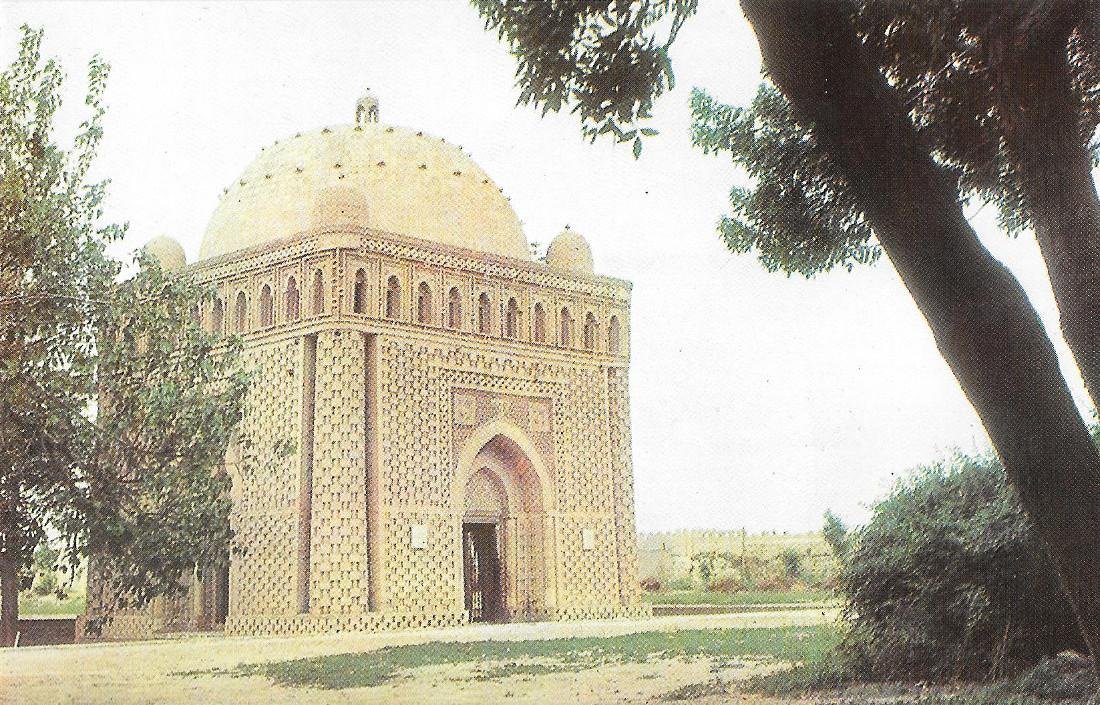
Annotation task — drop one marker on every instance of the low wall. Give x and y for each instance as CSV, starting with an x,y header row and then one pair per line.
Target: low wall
x,y
682,610
47,631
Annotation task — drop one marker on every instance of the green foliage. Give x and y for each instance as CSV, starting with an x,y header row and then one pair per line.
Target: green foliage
x,y
836,534
725,571
71,605
792,563
117,408
948,580
667,556
943,58
171,397
797,216
51,258
602,58
707,565
44,566
800,216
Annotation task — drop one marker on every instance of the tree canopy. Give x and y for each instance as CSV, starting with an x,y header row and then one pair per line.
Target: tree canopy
x,y
874,124
117,407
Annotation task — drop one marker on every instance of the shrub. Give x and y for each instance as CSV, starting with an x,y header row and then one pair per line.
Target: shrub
x,y
792,562
708,565
651,584
44,567
728,583
836,534
948,580
45,584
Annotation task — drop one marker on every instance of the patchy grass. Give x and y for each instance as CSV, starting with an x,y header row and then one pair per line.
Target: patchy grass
x,y
1065,680
507,670
748,597
824,673
501,659
694,691
31,605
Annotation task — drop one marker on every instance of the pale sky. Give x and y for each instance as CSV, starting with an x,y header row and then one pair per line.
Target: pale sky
x,y
758,400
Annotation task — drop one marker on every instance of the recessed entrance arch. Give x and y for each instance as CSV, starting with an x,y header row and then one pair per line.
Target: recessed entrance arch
x,y
503,526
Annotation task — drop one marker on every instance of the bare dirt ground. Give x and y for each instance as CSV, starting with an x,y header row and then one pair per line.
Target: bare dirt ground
x,y
164,671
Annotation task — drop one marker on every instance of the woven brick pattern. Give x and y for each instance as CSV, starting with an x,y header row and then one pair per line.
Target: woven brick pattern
x,y
265,509
623,475
551,424
338,568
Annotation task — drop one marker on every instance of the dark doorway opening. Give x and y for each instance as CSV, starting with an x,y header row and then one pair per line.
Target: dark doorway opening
x,y
215,598
481,568
221,596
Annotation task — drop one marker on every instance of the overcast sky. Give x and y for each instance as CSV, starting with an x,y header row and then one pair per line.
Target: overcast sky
x,y
758,400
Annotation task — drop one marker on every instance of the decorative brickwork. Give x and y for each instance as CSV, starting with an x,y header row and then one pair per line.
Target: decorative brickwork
x,y
427,396
338,566
265,498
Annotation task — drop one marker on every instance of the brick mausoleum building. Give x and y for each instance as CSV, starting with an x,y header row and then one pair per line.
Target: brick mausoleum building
x,y
458,410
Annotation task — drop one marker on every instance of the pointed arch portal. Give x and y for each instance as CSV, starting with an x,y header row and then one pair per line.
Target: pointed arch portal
x,y
503,520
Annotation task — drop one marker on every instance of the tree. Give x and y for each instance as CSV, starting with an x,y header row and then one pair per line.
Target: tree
x,y
835,533
948,579
845,168
1005,94
153,500
43,570
116,406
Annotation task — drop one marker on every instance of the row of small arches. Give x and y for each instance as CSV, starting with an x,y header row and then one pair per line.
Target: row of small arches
x,y
425,313
484,322
239,321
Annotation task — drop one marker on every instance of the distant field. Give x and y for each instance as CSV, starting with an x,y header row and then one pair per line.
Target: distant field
x,y
666,556
748,597
49,606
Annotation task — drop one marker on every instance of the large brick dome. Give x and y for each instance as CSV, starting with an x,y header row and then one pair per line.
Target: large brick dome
x,y
369,175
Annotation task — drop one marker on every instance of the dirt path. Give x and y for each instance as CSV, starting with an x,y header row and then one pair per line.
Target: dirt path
x,y
148,672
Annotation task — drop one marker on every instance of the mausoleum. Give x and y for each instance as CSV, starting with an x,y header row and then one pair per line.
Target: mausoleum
x,y
457,409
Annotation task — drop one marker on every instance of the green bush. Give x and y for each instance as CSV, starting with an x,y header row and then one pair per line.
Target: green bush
x,y
948,580
45,584
792,563
836,534
708,565
727,584
44,567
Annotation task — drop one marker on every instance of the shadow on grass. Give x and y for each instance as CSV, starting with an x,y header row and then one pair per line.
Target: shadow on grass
x,y
494,660
1062,680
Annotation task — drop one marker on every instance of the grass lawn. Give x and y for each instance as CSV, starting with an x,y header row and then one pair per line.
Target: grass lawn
x,y
748,597
498,659
31,605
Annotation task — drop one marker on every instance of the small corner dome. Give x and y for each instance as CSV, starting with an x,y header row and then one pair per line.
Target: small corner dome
x,y
570,252
167,252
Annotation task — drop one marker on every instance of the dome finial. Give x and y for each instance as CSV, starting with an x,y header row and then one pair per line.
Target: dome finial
x,y
366,109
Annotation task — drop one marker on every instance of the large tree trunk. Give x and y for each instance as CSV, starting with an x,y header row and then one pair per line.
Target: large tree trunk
x,y
10,546
983,323
9,601
1040,117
